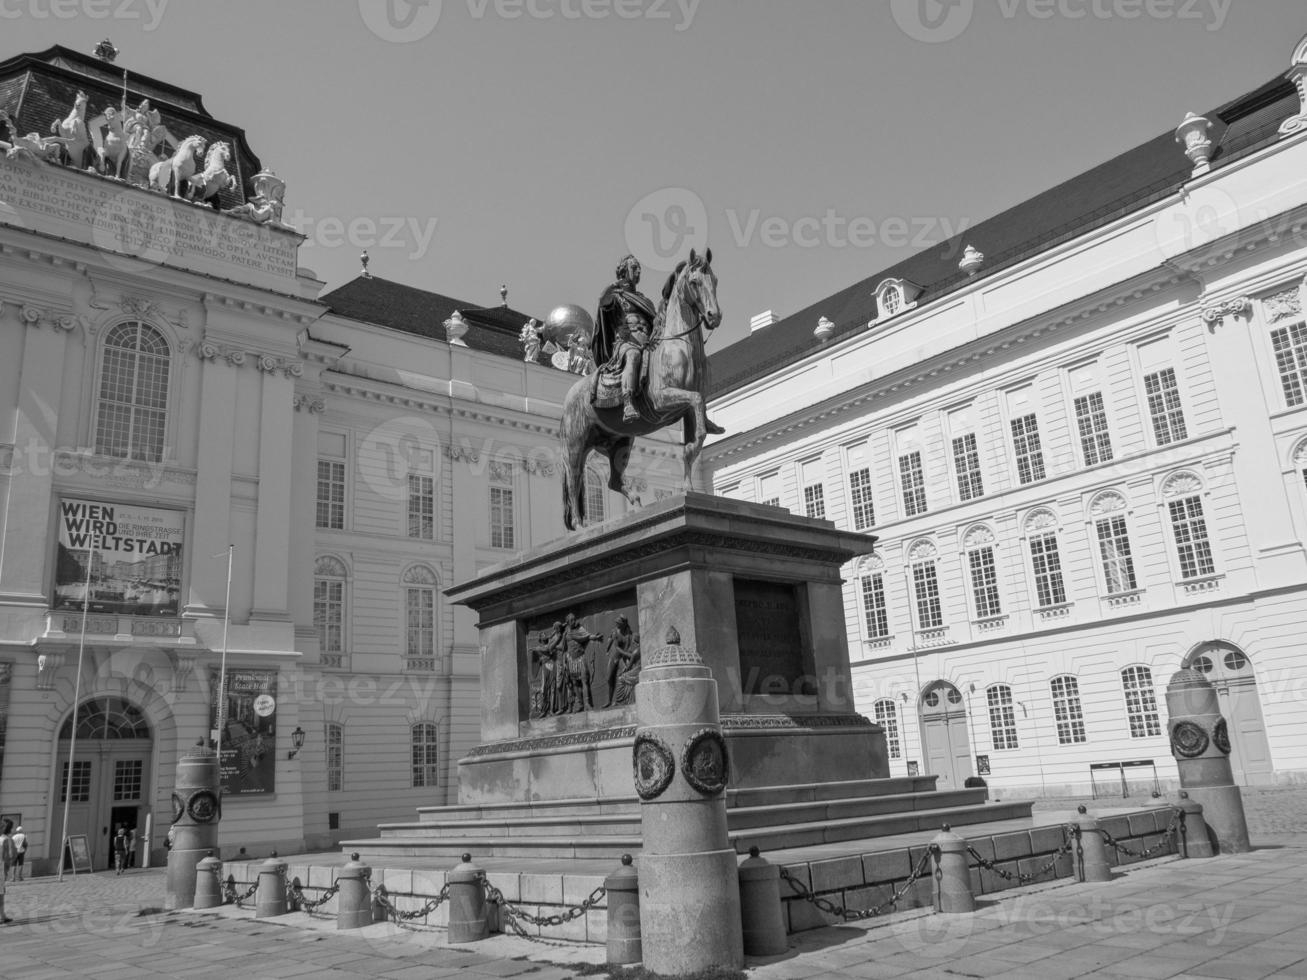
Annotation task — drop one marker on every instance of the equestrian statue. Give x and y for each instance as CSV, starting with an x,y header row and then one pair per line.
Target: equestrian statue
x,y
651,372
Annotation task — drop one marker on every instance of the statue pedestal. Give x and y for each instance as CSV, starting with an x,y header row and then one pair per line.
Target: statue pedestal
x,y
755,590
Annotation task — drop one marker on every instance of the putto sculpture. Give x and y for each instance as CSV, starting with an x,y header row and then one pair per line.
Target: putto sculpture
x,y
268,201
652,372
530,340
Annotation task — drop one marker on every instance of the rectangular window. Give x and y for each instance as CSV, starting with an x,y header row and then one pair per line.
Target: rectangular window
x,y
1091,421
81,782
1067,713
913,483
873,605
421,507
966,462
425,756
814,494
1290,345
1025,444
887,717
329,613
984,583
331,494
420,606
1114,549
335,739
925,586
1002,719
769,489
1049,590
1191,542
501,517
127,775
1140,702
1164,406
864,511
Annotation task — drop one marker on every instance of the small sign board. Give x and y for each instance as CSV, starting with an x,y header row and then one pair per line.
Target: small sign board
x,y
914,769
80,851
982,765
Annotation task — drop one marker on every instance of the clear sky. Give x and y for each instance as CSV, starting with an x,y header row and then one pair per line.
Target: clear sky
x,y
811,143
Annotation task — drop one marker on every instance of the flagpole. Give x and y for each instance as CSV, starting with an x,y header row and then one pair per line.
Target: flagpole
x,y
77,696
222,668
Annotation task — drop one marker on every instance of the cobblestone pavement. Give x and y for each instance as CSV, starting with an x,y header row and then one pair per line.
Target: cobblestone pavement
x,y
1239,917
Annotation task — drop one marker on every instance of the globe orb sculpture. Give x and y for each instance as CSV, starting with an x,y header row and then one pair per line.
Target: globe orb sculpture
x,y
567,320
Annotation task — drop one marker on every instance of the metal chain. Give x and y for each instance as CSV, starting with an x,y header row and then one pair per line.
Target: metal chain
x,y
402,918
850,915
515,915
230,897
1025,879
296,894
1166,841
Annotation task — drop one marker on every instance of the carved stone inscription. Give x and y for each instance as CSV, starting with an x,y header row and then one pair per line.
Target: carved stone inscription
x,y
773,659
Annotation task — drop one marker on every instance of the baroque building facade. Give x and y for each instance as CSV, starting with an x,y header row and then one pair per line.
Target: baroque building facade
x,y
178,397
1080,432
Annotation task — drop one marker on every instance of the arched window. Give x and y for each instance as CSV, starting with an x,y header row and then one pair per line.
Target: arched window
x,y
1066,710
420,617
133,393
1140,702
329,609
887,717
426,772
334,739
1002,719
594,496
107,717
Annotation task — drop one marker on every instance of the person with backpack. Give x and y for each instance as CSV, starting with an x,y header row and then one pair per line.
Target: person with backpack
x,y
120,850
20,852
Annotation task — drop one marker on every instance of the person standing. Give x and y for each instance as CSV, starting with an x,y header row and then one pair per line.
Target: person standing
x,y
7,847
131,847
120,850
20,853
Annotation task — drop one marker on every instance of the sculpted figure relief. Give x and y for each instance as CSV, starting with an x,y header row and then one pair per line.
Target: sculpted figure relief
x,y
623,663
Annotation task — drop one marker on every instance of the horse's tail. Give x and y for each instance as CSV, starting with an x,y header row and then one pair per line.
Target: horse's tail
x,y
571,433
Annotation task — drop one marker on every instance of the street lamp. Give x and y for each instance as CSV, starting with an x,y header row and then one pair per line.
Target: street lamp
x,y
297,740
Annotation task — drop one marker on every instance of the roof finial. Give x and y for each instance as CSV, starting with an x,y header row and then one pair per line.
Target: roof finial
x,y
503,294
105,50
365,260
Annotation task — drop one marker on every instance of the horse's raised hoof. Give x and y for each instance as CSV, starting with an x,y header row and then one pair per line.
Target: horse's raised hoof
x,y
712,428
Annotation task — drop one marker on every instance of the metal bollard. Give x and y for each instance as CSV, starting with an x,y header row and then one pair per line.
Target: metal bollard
x,y
953,877
467,903
623,887
271,895
760,906
208,879
1195,841
354,899
1092,852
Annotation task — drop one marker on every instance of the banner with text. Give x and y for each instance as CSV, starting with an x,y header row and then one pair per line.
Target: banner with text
x,y
249,734
135,554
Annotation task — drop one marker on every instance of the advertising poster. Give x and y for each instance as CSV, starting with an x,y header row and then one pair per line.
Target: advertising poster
x,y
249,737
135,554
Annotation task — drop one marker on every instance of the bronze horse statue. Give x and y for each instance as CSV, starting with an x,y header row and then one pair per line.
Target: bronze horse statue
x,y
678,381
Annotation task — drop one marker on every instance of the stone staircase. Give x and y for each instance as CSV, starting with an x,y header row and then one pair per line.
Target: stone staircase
x,y
770,818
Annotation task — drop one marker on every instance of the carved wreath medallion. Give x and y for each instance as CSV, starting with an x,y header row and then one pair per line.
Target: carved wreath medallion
x,y
1221,736
178,807
654,766
1188,740
203,805
704,763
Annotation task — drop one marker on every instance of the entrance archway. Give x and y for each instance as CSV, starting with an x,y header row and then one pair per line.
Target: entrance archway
x,y
1231,673
111,776
944,741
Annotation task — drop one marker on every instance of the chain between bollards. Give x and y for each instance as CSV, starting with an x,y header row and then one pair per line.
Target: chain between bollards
x,y
402,918
515,915
1168,838
295,892
851,915
1024,879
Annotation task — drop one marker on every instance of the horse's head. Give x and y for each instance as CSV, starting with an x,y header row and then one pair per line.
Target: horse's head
x,y
190,146
699,288
220,151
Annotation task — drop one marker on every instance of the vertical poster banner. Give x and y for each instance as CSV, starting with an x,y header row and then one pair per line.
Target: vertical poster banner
x,y
6,677
136,557
249,738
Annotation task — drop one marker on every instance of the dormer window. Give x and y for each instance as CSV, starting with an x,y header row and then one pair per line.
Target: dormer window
x,y
894,296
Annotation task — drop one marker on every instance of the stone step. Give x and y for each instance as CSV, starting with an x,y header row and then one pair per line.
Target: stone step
x,y
841,809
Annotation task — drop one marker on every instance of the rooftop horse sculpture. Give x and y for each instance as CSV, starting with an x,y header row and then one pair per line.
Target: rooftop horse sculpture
x,y
678,380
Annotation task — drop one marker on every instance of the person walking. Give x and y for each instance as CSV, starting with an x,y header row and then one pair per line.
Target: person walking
x,y
20,853
120,850
131,847
7,847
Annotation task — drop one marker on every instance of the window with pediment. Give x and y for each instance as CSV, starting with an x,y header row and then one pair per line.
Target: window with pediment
x,y
329,579
420,614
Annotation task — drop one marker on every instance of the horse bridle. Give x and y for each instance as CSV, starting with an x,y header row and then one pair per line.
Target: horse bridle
x,y
699,315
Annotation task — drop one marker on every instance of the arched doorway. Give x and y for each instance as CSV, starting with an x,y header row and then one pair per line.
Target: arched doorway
x,y
944,741
111,776
1231,673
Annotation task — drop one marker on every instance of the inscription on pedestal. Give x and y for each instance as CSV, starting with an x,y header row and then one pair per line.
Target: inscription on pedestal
x,y
773,654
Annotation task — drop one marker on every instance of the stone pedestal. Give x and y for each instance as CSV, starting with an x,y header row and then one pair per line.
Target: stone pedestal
x,y
689,886
1200,742
756,591
196,809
